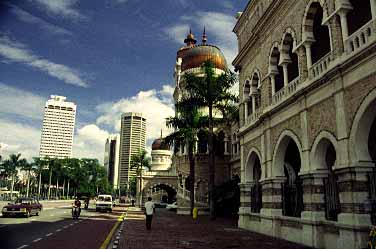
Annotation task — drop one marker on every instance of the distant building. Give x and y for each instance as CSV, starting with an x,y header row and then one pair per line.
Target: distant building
x,y
132,140
111,159
58,128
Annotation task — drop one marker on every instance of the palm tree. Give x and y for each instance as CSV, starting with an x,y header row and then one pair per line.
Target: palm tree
x,y
11,165
39,164
212,92
28,167
187,124
140,161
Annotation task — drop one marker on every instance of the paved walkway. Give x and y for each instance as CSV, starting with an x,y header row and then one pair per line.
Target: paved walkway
x,y
171,231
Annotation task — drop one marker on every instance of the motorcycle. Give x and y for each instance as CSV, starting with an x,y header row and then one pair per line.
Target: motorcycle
x,y
75,212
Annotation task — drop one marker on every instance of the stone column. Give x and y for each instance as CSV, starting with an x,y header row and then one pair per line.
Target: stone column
x,y
225,140
272,82
285,74
245,204
307,46
272,195
253,104
353,195
302,61
373,8
246,111
345,29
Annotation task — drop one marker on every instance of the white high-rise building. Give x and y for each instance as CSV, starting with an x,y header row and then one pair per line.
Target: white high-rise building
x,y
58,128
132,140
111,159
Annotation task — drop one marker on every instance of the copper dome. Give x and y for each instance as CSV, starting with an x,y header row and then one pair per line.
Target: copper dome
x,y
158,144
193,57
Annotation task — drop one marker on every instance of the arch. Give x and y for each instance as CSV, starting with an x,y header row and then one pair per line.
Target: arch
x,y
319,149
169,188
315,31
256,78
280,151
253,155
360,129
275,70
359,15
288,56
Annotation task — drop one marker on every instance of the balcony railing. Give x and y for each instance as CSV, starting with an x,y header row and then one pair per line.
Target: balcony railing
x,y
286,91
321,65
361,38
253,117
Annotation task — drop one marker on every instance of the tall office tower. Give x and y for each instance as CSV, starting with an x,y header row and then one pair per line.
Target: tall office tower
x,y
111,159
58,128
132,140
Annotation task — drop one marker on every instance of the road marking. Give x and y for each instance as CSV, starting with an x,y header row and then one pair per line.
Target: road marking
x,y
49,234
65,226
58,230
76,222
23,246
109,236
36,240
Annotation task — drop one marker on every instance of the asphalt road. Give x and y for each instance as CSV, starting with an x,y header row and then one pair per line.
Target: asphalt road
x,y
55,228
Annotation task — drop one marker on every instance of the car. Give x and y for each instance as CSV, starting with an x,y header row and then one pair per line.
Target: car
x,y
23,206
104,203
172,206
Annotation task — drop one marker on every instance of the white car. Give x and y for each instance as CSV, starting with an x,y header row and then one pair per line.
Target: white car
x,y
172,206
104,203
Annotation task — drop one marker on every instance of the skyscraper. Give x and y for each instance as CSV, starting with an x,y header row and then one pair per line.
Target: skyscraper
x,y
111,159
132,140
58,128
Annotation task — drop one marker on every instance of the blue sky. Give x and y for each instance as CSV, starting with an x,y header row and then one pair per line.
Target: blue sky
x,y
107,56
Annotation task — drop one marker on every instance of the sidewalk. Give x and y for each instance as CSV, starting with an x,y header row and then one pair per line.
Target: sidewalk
x,y
172,231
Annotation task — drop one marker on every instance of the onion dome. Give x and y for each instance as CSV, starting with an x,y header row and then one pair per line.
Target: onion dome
x,y
194,56
159,144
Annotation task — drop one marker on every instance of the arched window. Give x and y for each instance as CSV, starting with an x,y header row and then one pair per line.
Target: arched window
x,y
314,27
359,15
276,70
255,91
290,58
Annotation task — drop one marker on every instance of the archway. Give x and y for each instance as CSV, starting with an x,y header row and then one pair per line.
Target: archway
x,y
163,193
359,15
325,157
253,175
287,163
316,32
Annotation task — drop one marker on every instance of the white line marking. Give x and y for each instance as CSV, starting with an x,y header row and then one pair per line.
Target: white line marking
x,y
58,230
23,246
36,240
49,234
65,226
76,222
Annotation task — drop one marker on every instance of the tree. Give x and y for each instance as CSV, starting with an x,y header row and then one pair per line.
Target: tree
x,y
28,167
212,92
38,166
140,161
187,124
11,165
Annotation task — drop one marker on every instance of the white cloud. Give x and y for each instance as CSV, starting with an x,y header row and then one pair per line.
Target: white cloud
x,y
17,52
156,105
19,138
218,28
29,18
63,8
19,102
89,142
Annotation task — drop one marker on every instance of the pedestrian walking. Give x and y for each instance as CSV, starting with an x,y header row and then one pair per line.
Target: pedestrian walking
x,y
149,210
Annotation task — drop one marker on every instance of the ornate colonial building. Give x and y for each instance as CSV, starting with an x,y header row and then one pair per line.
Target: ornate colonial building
x,y
307,120
189,59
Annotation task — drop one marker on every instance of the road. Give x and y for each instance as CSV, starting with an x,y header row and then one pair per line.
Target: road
x,y
55,228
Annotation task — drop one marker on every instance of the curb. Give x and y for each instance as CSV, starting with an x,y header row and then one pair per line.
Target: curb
x,y
112,242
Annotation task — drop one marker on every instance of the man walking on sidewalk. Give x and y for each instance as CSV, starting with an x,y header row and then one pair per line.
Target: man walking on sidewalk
x,y
149,210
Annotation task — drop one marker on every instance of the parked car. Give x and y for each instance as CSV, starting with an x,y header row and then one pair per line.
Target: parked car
x,y
23,206
172,206
104,203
